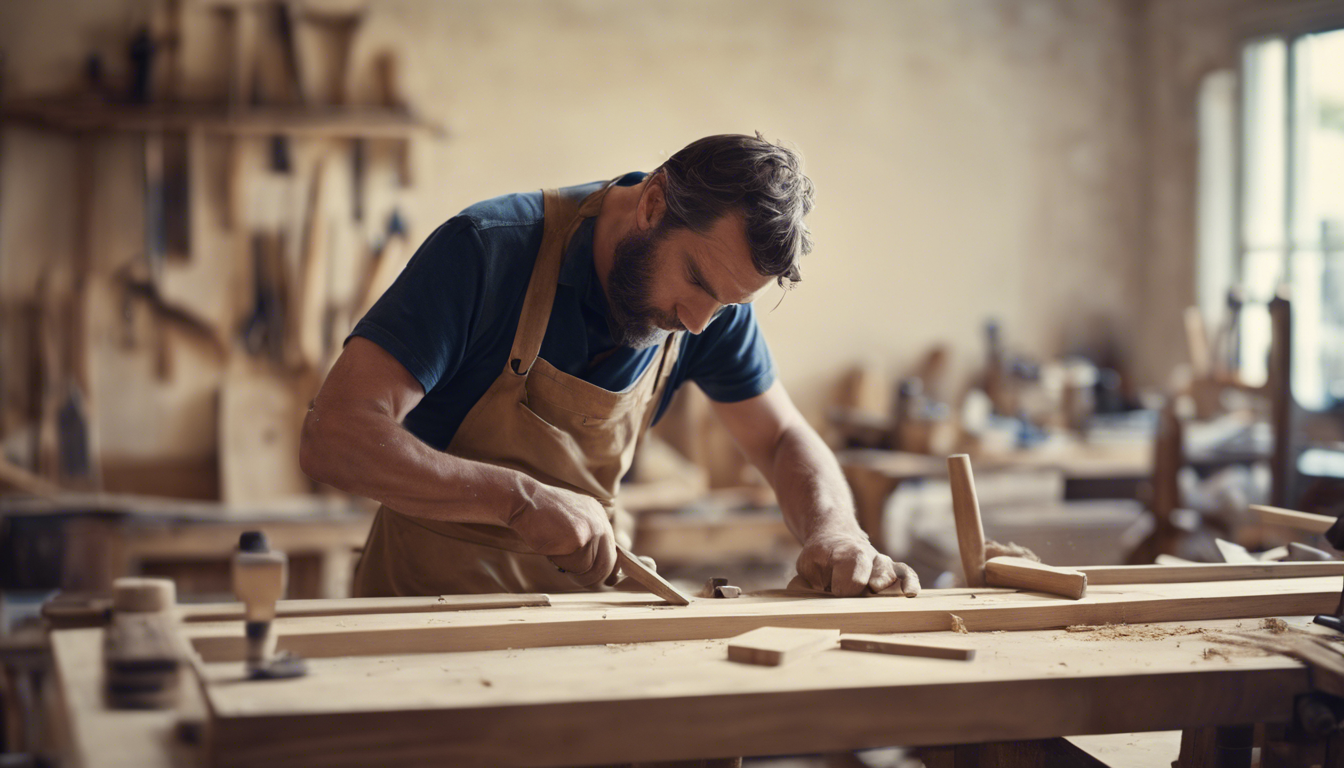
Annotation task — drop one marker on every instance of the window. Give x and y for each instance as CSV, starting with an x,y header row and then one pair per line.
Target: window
x,y
1292,205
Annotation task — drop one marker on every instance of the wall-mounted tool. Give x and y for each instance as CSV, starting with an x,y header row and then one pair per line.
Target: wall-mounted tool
x,y
259,576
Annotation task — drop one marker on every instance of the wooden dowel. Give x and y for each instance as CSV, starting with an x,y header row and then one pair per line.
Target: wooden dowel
x,y
966,512
1302,521
1020,573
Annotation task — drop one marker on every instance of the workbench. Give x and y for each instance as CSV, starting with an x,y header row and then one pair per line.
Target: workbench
x,y
616,677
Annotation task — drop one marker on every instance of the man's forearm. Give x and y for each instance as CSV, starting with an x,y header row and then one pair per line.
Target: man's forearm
x,y
812,491
369,454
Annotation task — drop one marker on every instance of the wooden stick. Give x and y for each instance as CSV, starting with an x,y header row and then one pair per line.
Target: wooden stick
x,y
966,511
772,646
884,644
1301,521
1198,572
355,606
647,578
1020,573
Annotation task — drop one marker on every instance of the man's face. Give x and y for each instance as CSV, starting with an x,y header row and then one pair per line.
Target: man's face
x,y
665,280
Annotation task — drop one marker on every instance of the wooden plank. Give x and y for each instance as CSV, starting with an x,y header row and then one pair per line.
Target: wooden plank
x,y
884,644
646,577
588,618
1205,572
1302,521
555,706
772,646
1020,573
356,606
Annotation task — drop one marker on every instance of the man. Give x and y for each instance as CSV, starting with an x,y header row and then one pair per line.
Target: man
x,y
493,397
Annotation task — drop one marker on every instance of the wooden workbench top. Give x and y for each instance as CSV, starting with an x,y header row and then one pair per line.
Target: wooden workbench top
x,y
678,699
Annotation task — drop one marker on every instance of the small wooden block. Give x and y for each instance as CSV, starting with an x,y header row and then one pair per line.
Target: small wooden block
x,y
883,644
1020,573
728,590
635,569
772,646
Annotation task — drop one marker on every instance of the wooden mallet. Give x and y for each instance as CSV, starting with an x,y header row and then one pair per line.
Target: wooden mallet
x,y
1011,572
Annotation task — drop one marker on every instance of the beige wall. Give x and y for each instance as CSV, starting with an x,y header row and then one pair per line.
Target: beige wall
x,y
972,159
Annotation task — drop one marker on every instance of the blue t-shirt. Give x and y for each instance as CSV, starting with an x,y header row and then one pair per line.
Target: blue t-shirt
x,y
451,316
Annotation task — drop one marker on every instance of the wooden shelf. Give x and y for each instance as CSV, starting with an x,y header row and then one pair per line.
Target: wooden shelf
x,y
364,122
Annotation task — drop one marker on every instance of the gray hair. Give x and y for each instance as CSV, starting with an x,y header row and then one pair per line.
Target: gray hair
x,y
764,181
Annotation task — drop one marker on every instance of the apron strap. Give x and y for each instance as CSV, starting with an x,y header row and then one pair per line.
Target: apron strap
x,y
564,211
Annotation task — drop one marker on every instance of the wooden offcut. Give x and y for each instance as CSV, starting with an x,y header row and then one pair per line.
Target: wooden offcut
x,y
772,646
885,644
1020,573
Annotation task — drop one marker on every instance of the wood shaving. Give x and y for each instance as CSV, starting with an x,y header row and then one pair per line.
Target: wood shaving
x,y
1277,626
1131,631
995,549
958,625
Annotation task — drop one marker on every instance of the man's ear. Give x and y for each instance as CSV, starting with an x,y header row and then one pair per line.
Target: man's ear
x,y
653,201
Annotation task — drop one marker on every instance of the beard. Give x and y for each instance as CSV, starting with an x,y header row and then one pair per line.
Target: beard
x,y
636,323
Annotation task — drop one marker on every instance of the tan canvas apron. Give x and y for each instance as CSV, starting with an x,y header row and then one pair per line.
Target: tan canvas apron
x,y
559,429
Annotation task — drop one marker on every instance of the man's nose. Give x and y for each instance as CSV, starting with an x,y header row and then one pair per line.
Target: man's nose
x,y
697,315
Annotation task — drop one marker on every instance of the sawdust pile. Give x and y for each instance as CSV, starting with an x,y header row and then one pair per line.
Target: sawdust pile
x,y
958,625
1131,631
1277,626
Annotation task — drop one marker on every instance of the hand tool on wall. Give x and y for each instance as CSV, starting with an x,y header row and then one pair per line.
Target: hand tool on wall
x,y
386,263
310,307
263,330
142,654
1011,572
389,94
339,30
259,576
291,83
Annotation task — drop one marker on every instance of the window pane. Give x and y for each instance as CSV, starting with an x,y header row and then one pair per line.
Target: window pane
x,y
1319,139
1318,219
1265,104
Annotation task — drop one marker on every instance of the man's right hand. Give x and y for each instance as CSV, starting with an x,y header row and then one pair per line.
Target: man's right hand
x,y
571,529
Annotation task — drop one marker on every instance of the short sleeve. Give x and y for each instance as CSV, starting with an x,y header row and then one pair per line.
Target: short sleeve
x,y
426,318
730,361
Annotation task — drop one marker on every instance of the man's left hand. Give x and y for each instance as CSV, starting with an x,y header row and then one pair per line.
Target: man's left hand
x,y
845,564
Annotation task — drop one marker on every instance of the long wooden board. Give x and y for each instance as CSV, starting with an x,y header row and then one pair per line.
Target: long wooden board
x,y
556,706
1197,572
355,606
586,618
